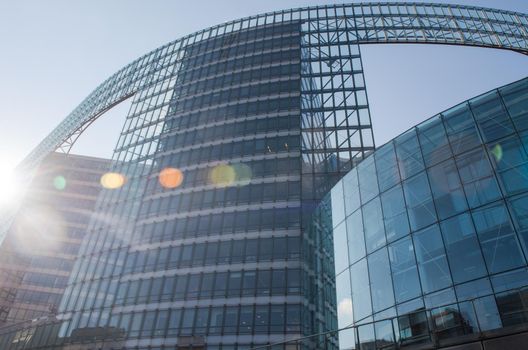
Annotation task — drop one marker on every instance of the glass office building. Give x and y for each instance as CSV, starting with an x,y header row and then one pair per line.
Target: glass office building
x,y
39,251
430,231
203,238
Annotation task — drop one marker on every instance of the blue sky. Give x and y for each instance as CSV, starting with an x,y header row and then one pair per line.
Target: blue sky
x,y
55,52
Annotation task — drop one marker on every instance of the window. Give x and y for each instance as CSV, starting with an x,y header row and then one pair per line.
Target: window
x,y
491,117
419,201
516,100
447,190
433,140
404,270
360,290
431,258
373,226
461,129
463,249
394,214
409,156
356,240
477,178
380,280
498,240
387,167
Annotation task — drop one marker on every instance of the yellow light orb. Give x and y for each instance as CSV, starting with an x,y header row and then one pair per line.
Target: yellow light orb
x,y
222,175
170,177
112,181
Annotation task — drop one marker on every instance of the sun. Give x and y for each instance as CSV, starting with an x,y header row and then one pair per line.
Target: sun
x,y
9,186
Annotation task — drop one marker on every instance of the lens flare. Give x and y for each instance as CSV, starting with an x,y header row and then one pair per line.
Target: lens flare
x,y
10,187
243,173
112,181
59,182
225,175
170,177
497,152
222,175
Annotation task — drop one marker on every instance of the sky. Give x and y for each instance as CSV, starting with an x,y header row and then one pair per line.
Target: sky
x,y
54,53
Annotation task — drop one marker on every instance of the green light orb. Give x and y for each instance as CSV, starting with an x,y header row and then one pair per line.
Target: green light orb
x,y
59,182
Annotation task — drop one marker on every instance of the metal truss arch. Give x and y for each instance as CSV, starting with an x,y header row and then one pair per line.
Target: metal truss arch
x,y
322,27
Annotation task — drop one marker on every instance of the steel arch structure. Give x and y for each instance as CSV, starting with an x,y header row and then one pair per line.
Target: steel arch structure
x,y
323,27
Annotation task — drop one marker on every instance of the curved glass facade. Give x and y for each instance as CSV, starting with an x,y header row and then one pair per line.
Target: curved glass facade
x,y
433,224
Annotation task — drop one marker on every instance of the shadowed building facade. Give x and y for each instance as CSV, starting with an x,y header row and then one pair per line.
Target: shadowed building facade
x,y
234,134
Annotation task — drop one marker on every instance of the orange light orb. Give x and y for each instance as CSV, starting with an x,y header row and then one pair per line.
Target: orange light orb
x,y
170,177
112,181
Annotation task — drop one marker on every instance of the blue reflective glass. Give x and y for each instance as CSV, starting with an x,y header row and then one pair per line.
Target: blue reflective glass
x,y
387,166
510,280
461,130
409,156
463,249
431,258
519,211
419,201
515,98
404,270
491,117
477,178
372,225
338,204
380,280
351,191
340,248
433,139
499,243
356,239
447,191
511,161
394,214
360,290
368,181
344,301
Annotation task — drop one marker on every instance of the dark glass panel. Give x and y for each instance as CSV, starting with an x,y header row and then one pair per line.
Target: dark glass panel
x,y
499,243
463,249
431,258
404,270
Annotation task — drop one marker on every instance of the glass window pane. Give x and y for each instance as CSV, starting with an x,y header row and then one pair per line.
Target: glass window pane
x,y
447,191
461,129
394,214
431,258
491,117
356,240
360,290
340,248
463,249
519,210
498,240
404,270
511,162
515,98
368,182
433,139
351,191
338,204
409,155
373,225
380,280
419,201
477,178
387,166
